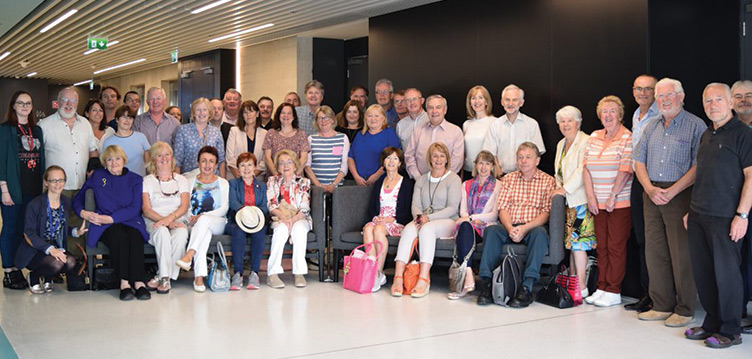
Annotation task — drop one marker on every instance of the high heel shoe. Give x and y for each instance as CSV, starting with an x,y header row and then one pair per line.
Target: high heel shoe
x,y
416,294
397,292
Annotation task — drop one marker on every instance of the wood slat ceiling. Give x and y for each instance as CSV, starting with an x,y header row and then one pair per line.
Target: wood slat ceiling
x,y
151,29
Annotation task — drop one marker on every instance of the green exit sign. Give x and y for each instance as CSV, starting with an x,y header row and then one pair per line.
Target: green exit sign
x,y
96,43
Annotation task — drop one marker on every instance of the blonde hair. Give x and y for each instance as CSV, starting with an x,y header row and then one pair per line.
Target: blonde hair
x,y
484,92
613,99
328,112
208,105
154,151
377,108
112,151
289,153
441,147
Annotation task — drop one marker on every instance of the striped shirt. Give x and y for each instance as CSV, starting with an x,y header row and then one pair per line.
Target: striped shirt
x,y
328,156
604,159
525,200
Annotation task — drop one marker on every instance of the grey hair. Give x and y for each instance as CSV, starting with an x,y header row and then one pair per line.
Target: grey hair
x,y
569,111
60,94
314,83
437,96
677,85
741,83
232,90
513,87
155,88
387,82
725,88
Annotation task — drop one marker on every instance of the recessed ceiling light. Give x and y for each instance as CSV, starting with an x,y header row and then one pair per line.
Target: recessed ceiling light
x,y
209,6
4,55
119,66
59,20
83,82
241,32
108,46
31,74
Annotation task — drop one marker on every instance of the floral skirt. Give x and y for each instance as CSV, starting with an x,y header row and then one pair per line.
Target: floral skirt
x,y
393,229
580,229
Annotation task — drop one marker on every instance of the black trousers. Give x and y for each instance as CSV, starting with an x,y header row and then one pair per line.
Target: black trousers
x,y
715,266
638,224
126,247
43,265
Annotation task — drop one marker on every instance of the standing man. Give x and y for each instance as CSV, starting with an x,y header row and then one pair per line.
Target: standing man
x,y
156,124
742,96
643,90
231,102
384,94
292,98
400,105
512,128
69,142
110,97
717,219
218,108
132,100
415,116
266,108
314,94
360,94
436,129
665,165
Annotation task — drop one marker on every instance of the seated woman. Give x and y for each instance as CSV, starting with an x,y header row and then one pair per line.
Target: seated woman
x,y
46,231
208,207
327,164
117,221
246,191
191,137
479,209
436,201
165,201
367,146
289,204
389,207
133,143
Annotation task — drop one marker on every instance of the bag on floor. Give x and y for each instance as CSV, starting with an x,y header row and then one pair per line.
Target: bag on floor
x,y
591,274
360,269
507,278
457,272
555,295
106,278
219,275
412,270
76,280
572,284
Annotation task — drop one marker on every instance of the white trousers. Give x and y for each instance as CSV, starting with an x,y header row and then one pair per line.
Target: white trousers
x,y
169,245
299,235
201,233
439,228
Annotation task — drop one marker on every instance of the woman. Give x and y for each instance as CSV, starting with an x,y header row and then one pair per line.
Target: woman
x,y
436,200
165,201
47,231
208,207
479,209
190,138
608,182
117,221
174,111
21,166
389,208
246,190
479,118
287,137
290,207
327,164
134,143
363,159
94,112
246,136
350,120
570,154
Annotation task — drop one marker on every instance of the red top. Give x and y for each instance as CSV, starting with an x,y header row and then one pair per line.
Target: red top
x,y
250,197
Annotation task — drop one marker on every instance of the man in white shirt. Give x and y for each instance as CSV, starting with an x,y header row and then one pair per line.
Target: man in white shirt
x,y
512,129
415,116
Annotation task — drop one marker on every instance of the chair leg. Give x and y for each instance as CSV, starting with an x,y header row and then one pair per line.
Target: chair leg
x,y
335,265
90,268
321,264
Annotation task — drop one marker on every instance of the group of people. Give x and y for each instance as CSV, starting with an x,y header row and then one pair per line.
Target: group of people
x,y
155,179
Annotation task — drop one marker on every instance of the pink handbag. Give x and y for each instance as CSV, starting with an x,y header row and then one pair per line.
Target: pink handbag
x,y
360,269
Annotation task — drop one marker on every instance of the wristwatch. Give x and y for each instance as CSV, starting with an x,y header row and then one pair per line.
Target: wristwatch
x,y
742,215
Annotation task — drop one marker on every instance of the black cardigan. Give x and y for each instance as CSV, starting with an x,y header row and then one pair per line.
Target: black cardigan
x,y
404,200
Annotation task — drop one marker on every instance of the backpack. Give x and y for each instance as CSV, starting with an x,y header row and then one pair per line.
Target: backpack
x,y
507,279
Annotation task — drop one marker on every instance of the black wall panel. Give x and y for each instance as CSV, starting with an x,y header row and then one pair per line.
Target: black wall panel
x,y
329,68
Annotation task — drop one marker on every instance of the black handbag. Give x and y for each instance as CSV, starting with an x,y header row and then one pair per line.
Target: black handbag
x,y
76,279
555,295
105,277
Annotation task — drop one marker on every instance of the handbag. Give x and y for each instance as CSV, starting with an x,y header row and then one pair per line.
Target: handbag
x,y
360,269
76,279
457,272
555,295
219,275
106,278
412,270
572,284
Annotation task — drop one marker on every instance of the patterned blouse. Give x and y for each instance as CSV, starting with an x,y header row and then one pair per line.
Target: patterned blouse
x,y
188,142
605,159
299,194
296,143
53,230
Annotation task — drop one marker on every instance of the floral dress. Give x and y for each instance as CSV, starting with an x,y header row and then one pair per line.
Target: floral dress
x,y
388,208
580,226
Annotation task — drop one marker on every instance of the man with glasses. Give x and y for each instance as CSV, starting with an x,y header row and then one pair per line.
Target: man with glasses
x,y
511,129
741,92
69,142
400,105
133,101
665,164
415,116
384,90
156,124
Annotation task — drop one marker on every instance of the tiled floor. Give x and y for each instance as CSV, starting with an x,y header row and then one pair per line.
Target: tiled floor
x,y
325,321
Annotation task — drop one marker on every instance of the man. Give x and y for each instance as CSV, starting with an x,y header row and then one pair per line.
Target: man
x,y
436,129
384,94
69,143
314,94
524,207
717,220
643,91
266,108
416,116
219,112
742,96
665,164
512,128
360,94
293,98
110,97
231,102
132,100
156,124
400,105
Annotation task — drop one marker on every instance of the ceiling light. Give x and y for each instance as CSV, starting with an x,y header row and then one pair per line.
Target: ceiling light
x,y
83,82
4,55
59,20
31,74
119,66
108,46
209,6
241,32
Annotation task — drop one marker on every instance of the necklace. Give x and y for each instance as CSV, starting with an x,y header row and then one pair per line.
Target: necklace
x,y
429,210
32,164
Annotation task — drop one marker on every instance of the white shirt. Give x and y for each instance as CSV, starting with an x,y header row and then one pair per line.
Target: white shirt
x,y
160,194
109,131
226,119
475,130
68,148
407,125
504,137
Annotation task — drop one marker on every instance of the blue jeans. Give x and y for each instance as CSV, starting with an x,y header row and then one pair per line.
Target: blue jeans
x,y
496,237
258,240
13,225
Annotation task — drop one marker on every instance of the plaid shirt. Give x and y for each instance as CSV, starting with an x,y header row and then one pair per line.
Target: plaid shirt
x,y
525,200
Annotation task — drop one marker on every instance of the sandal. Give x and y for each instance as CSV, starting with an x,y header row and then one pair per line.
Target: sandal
x,y
697,333
416,294
153,284
397,290
718,341
459,295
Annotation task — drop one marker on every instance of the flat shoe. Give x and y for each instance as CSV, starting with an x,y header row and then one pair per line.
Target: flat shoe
x,y
300,281
652,314
199,288
676,320
455,295
164,286
697,333
152,284
126,294
717,341
186,266
143,293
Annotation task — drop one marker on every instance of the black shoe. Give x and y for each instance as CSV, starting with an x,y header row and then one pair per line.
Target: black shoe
x,y
523,298
17,280
747,329
6,280
485,297
126,294
642,305
143,293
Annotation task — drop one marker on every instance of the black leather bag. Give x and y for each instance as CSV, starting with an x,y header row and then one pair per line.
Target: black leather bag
x,y
76,280
106,278
555,295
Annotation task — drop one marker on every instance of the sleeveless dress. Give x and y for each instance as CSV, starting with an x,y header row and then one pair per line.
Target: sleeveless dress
x,y
388,208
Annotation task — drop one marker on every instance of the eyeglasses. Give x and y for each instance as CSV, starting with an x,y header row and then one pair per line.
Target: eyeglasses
x,y
399,101
383,92
56,181
23,104
68,100
643,89
667,95
413,99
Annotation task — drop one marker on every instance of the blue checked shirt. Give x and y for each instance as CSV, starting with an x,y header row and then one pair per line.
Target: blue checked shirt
x,y
188,142
668,153
305,119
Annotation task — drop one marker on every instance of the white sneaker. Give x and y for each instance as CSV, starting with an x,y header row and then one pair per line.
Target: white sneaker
x,y
608,299
584,293
597,295
380,280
